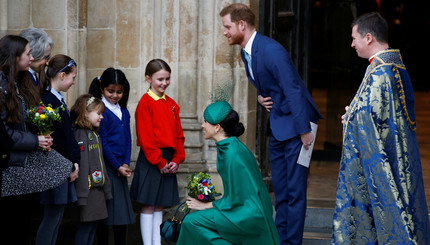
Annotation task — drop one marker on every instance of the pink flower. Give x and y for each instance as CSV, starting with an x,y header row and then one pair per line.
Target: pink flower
x,y
200,196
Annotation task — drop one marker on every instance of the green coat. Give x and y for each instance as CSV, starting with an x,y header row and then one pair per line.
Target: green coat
x,y
244,215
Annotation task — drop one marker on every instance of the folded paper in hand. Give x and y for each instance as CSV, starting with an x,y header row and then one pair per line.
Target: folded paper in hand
x,y
305,155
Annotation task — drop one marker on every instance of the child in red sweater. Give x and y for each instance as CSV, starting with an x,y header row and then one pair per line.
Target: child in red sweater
x,y
160,136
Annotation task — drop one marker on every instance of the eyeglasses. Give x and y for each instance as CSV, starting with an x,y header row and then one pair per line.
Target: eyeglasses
x,y
70,64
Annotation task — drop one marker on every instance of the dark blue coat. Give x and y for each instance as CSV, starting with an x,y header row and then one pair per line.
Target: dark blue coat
x,y
276,77
66,144
116,138
64,139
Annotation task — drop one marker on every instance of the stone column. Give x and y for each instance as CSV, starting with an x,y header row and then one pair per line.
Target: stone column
x,y
3,17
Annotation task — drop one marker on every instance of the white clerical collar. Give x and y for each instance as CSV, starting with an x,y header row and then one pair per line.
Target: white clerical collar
x,y
373,56
115,108
248,45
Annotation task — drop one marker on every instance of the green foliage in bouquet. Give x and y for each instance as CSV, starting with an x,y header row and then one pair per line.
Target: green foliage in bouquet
x,y
200,186
43,117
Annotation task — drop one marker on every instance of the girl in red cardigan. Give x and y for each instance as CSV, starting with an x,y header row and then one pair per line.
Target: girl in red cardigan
x,y
161,139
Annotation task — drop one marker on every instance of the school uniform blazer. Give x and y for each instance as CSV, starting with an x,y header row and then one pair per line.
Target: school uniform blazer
x,y
64,141
116,138
276,77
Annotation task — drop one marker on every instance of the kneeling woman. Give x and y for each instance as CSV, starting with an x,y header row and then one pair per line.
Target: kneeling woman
x,y
244,214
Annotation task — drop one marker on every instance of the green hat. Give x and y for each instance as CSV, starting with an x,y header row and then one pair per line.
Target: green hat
x,y
217,112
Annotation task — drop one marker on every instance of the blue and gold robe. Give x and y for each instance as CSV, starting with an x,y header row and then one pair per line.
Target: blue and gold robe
x,y
380,195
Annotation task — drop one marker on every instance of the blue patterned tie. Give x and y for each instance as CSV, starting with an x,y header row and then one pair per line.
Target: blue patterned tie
x,y
248,60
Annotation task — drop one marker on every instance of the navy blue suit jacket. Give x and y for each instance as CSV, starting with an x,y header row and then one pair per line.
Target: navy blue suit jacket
x,y
275,76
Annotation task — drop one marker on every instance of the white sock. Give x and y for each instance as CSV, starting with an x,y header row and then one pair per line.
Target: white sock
x,y
156,237
146,228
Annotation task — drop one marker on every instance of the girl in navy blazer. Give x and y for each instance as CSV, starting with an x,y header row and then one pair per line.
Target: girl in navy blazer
x,y
113,88
60,75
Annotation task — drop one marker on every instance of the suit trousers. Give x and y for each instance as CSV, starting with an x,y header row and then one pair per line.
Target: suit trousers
x,y
290,184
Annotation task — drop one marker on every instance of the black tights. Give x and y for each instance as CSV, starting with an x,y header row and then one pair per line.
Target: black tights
x,y
119,233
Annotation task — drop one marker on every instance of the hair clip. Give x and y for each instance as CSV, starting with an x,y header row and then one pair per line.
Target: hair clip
x,y
70,64
90,100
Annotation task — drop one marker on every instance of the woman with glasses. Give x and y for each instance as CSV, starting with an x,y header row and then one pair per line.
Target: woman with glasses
x,y
41,45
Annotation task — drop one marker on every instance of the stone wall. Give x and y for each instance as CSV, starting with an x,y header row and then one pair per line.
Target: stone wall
x,y
126,34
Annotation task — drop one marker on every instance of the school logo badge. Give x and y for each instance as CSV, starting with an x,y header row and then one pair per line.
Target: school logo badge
x,y
90,136
97,176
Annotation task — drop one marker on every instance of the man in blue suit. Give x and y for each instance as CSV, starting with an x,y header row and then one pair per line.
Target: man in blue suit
x,y
282,92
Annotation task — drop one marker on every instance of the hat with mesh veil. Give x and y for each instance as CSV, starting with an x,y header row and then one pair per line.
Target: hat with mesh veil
x,y
217,111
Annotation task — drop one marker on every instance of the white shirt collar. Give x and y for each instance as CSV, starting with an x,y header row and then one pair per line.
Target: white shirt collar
x,y
115,108
248,45
57,94
32,72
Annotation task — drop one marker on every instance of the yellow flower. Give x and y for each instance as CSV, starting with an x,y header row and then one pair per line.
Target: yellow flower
x,y
42,116
49,109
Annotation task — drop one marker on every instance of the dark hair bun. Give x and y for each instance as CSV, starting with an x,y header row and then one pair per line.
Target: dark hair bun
x,y
239,129
231,125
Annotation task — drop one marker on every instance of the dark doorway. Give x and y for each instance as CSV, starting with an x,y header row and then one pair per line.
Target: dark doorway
x,y
287,22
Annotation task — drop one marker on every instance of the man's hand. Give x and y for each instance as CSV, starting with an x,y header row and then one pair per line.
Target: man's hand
x,y
307,139
343,116
265,102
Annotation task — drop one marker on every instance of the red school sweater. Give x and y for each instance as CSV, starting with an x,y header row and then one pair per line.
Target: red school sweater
x,y
158,126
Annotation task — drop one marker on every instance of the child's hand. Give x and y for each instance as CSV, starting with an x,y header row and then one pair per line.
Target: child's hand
x,y
74,174
173,167
45,142
165,169
124,170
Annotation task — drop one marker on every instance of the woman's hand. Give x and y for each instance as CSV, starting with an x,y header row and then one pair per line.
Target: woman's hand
x,y
197,204
124,170
45,142
173,167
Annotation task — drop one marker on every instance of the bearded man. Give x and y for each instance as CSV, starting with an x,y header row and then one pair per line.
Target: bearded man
x,y
282,92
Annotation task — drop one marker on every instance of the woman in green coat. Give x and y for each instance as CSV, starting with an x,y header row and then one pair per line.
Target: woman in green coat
x,y
244,214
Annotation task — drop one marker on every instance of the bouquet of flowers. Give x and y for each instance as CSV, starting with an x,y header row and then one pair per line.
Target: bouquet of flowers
x,y
201,188
43,117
